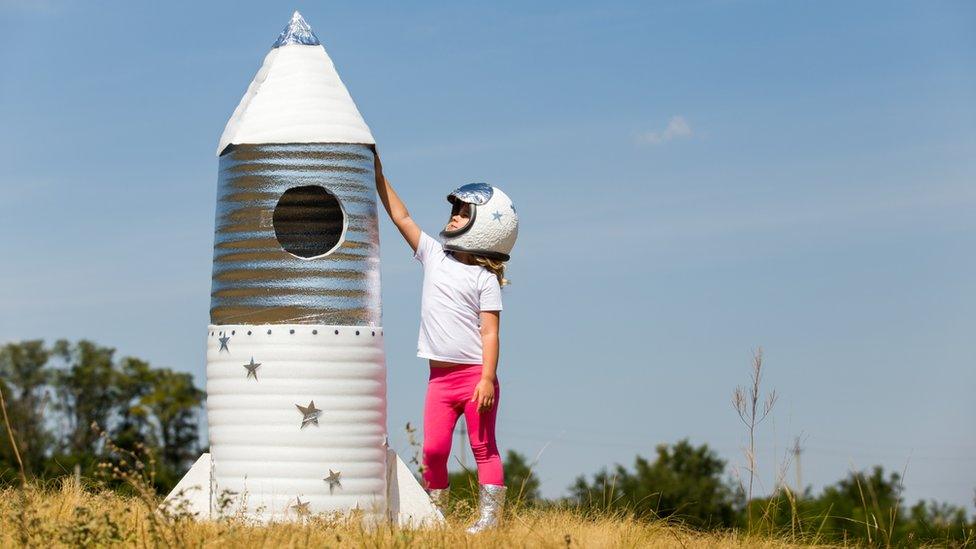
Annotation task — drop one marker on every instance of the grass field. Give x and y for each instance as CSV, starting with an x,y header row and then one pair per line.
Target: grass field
x,y
71,516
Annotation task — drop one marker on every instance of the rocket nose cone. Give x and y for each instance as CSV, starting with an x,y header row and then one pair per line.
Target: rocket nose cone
x,y
297,31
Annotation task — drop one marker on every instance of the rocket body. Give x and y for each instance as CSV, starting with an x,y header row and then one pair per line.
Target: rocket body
x,y
312,323
296,374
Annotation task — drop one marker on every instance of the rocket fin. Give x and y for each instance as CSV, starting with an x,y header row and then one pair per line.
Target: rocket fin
x,y
192,492
408,503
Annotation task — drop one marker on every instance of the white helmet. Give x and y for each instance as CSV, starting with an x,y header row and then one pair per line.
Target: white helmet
x,y
492,227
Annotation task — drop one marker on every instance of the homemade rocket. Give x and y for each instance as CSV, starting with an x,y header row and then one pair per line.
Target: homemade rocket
x,y
296,373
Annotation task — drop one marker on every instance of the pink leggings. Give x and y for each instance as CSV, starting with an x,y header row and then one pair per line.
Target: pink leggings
x,y
449,395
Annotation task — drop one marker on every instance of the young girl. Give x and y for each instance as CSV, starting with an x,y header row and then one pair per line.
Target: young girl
x,y
459,318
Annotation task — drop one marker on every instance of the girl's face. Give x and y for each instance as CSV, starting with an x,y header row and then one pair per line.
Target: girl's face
x,y
459,216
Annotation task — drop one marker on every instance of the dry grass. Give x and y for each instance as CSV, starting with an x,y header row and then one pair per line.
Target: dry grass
x,y
71,516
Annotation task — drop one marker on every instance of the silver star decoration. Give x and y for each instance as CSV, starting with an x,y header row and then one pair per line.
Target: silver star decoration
x,y
497,216
252,369
301,507
223,344
310,414
333,480
513,208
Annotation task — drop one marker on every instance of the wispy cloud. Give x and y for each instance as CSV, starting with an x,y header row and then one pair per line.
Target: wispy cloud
x,y
677,128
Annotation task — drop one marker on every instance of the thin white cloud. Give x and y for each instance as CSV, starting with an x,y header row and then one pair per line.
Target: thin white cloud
x,y
677,128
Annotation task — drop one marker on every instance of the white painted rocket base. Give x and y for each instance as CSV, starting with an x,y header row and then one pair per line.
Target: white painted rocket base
x,y
408,504
269,461
192,494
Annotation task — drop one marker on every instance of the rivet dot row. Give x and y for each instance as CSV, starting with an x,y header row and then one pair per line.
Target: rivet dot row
x,y
291,331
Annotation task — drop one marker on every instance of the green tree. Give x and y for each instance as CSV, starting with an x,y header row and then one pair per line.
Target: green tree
x,y
174,402
135,379
936,523
132,402
520,478
683,482
24,377
864,503
88,393
866,507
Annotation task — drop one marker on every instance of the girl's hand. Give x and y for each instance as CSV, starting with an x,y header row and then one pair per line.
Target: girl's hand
x,y
484,395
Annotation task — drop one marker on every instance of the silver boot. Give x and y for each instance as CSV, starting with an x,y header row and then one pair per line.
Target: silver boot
x,y
491,504
440,498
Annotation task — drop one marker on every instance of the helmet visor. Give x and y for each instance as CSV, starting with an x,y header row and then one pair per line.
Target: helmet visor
x,y
472,193
467,214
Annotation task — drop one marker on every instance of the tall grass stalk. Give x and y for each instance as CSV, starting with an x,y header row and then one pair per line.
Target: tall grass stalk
x,y
13,441
745,401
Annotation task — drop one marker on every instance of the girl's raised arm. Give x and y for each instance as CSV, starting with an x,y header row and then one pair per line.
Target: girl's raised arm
x,y
394,206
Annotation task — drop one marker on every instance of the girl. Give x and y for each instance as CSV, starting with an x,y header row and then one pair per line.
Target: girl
x,y
459,318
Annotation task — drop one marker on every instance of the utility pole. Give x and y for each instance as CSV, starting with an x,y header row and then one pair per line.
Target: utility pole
x,y
797,450
463,436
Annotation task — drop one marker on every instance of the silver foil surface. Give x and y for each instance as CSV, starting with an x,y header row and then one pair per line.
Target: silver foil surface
x,y
296,32
255,281
472,193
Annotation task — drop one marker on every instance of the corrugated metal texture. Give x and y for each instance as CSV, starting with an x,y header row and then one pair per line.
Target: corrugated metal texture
x,y
255,281
260,450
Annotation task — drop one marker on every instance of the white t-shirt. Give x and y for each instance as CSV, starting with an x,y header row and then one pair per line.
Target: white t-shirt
x,y
450,307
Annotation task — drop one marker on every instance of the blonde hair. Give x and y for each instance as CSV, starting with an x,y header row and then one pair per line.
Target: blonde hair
x,y
494,266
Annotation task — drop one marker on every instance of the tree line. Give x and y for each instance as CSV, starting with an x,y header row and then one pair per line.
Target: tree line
x,y
55,394
689,484
61,400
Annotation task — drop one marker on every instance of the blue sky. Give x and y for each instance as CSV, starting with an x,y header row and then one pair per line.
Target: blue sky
x,y
693,179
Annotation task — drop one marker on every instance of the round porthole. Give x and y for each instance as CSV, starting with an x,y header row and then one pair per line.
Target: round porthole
x,y
309,221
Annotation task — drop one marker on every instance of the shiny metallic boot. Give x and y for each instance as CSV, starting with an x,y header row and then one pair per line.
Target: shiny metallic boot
x,y
491,504
440,498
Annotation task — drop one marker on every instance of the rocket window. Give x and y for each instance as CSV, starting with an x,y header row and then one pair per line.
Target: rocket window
x,y
309,221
